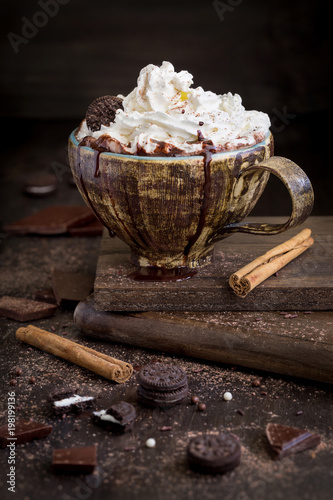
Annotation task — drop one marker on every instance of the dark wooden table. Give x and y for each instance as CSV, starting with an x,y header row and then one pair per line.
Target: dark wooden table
x,y
161,472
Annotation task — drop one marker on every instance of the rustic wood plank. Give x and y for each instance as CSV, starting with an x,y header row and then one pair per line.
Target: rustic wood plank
x,y
301,346
305,283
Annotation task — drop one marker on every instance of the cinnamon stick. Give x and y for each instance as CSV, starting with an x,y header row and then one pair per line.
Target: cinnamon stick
x,y
254,273
97,362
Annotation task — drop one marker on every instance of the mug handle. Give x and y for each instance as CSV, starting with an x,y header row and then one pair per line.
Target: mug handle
x,y
300,190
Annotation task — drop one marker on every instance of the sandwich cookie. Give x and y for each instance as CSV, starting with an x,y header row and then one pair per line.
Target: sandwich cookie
x,y
102,111
65,400
214,453
162,385
40,185
118,418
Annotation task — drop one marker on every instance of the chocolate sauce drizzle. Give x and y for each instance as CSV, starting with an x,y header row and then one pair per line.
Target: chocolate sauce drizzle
x,y
208,150
84,189
100,145
96,161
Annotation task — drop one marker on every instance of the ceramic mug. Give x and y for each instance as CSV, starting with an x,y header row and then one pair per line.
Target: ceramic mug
x,y
171,210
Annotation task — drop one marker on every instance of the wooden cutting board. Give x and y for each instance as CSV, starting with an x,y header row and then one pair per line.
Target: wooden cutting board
x,y
305,283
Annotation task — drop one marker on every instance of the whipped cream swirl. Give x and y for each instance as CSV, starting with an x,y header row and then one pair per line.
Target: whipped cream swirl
x,y
165,115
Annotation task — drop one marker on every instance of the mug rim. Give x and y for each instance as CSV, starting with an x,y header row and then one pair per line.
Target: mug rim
x,y
168,158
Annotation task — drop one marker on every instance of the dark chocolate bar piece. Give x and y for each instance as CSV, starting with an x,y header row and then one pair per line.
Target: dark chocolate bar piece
x,y
22,309
286,440
51,220
23,432
79,460
118,418
70,288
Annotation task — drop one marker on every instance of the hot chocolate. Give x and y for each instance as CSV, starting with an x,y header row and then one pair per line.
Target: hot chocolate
x,y
171,169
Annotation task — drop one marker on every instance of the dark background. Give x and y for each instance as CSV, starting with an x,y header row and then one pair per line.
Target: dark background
x,y
275,54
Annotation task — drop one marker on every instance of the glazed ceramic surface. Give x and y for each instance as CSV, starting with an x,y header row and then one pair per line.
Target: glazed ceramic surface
x,y
171,210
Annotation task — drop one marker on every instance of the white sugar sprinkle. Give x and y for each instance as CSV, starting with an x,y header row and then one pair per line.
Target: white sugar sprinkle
x,y
151,443
227,396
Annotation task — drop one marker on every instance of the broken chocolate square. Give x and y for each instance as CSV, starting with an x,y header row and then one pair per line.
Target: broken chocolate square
x,y
23,432
78,460
286,440
22,309
51,220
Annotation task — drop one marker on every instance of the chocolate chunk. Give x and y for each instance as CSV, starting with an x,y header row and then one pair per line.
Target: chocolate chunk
x,y
118,418
23,432
162,377
286,440
70,288
214,453
45,295
79,460
92,228
40,185
22,309
51,220
102,111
